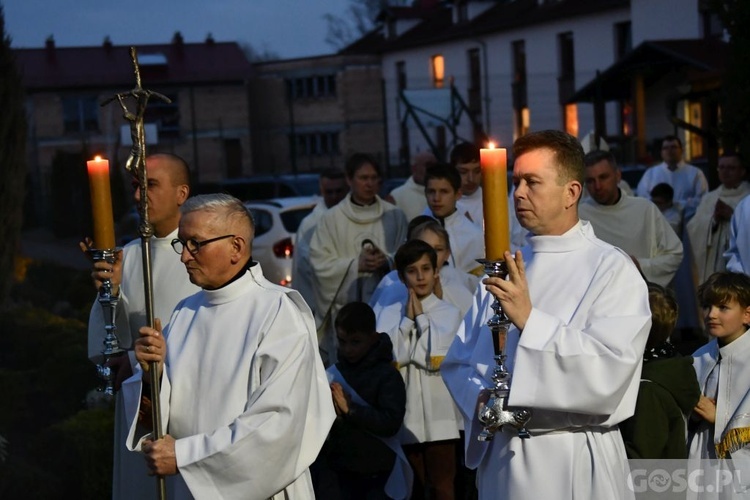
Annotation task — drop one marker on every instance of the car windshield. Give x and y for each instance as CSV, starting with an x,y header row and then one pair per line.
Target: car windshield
x,y
292,218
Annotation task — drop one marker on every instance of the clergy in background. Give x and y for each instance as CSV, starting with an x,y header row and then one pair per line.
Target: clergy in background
x,y
738,254
580,320
709,228
688,181
245,400
635,225
333,189
409,196
353,246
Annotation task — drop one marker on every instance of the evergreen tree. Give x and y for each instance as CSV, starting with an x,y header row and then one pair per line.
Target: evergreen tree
x,y
12,159
735,98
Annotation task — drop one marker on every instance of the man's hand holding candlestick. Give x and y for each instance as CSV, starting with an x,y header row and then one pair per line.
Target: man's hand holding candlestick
x,y
513,293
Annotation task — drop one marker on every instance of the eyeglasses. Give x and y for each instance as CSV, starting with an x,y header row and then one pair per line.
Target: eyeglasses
x,y
193,246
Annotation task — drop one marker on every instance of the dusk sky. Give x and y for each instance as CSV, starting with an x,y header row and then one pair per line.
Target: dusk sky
x,y
290,28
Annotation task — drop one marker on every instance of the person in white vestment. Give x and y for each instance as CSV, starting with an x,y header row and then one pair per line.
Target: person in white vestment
x,y
709,228
721,419
421,330
333,189
738,253
244,396
443,190
635,225
168,188
662,195
689,185
409,196
580,320
451,285
465,157
688,181
353,246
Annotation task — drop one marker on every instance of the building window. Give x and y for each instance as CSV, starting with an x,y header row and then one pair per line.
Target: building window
x,y
462,11
623,39
694,142
627,118
519,74
312,87
166,116
570,119
475,83
316,144
438,71
401,75
712,25
521,121
567,67
80,114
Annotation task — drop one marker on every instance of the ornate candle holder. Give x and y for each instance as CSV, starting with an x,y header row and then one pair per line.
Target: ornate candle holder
x,y
495,413
108,301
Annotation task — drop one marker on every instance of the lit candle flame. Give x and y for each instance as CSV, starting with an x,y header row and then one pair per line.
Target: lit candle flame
x,y
490,145
97,158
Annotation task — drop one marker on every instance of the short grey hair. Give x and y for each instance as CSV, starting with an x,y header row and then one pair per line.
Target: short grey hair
x,y
220,204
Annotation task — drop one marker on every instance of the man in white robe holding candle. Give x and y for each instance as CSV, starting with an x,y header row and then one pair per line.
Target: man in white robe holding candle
x,y
168,189
245,400
580,320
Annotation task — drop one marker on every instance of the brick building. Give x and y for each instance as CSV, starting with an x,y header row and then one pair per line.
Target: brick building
x,y
207,121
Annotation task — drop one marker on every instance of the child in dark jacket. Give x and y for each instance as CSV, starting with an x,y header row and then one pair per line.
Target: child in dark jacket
x,y
668,391
370,401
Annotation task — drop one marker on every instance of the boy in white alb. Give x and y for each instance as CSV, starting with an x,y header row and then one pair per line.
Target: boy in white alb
x,y
443,190
421,329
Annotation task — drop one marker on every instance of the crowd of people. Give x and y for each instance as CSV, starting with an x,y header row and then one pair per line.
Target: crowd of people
x,y
365,379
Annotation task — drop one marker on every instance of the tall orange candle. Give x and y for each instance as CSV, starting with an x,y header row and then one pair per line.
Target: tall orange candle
x,y
494,163
101,204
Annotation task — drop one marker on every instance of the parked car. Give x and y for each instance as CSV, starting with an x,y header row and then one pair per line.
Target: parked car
x,y
264,187
276,223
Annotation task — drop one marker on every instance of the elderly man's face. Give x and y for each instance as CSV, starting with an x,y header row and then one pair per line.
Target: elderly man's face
x,y
211,266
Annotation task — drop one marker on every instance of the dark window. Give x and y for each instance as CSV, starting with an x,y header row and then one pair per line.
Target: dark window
x,y
80,114
165,115
312,87
519,74
233,156
401,75
712,25
567,67
475,83
623,39
317,143
567,55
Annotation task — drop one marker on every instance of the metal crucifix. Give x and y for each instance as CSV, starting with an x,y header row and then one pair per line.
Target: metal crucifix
x,y
136,165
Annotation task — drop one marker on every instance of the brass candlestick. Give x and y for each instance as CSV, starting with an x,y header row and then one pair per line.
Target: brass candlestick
x,y
108,302
494,414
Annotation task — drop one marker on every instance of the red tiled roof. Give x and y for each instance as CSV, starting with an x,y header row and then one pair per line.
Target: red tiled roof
x,y
102,66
